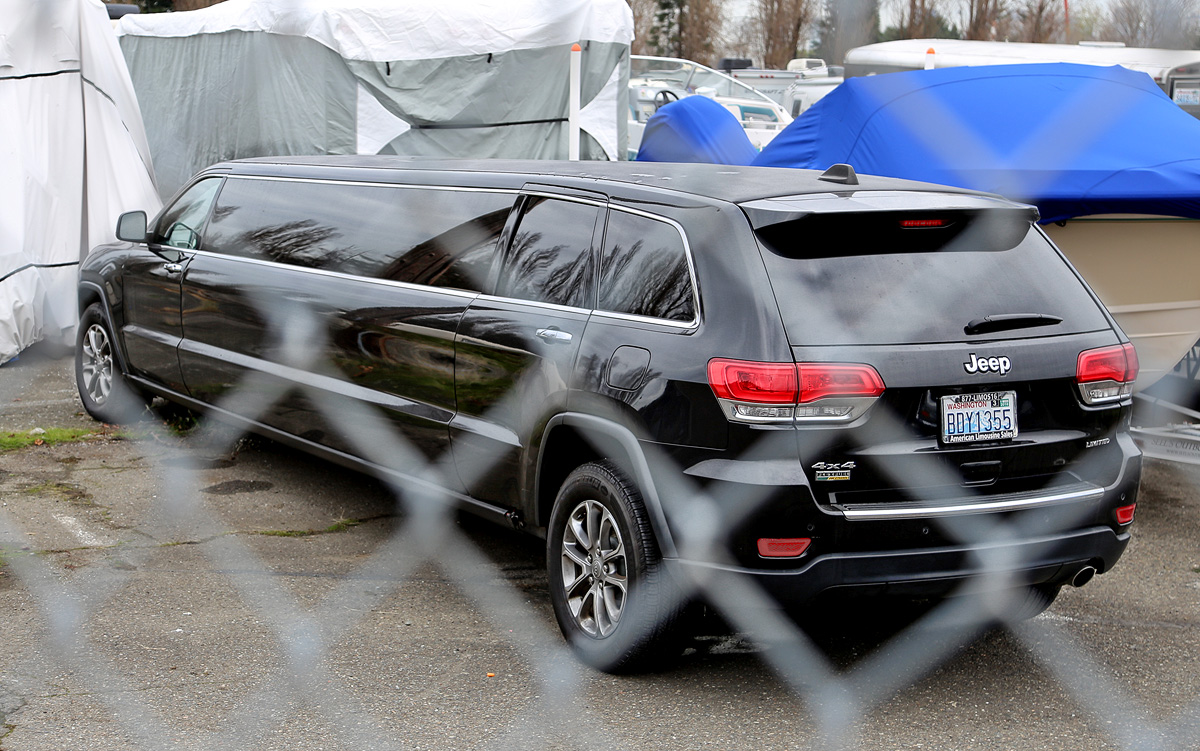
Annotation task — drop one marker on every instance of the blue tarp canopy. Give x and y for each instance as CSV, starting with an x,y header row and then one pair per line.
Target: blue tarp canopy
x,y
1072,139
695,129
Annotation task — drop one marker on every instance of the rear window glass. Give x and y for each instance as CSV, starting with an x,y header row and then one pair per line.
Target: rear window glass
x,y
851,287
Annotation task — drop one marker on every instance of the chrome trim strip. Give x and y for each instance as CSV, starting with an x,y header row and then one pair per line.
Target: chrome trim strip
x,y
368,184
681,325
321,381
876,512
339,274
566,197
534,303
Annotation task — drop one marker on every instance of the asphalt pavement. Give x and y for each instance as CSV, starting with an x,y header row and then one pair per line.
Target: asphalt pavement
x,y
158,594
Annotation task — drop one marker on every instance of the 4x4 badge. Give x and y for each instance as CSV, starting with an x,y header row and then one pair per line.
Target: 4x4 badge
x,y
978,364
826,471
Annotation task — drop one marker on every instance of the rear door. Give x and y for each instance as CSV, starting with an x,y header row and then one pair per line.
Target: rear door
x,y
516,348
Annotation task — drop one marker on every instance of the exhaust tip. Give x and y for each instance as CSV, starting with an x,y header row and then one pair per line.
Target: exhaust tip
x,y
1083,576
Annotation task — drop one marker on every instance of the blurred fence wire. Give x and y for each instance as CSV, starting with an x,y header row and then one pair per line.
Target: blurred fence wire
x,y
304,635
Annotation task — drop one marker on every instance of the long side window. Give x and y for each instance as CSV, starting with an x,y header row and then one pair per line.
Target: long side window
x,y
181,225
550,257
451,238
644,269
440,237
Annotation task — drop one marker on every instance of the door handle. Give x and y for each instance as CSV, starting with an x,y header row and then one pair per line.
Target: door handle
x,y
173,269
554,336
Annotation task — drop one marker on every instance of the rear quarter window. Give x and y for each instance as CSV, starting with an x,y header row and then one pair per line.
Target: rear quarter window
x,y
644,269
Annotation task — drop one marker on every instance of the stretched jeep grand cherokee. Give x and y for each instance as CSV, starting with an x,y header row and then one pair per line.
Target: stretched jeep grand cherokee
x,y
691,380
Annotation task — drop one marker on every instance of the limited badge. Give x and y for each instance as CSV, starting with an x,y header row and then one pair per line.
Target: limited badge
x,y
828,472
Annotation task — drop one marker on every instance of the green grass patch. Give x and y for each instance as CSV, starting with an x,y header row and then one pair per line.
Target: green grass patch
x,y
341,525
49,437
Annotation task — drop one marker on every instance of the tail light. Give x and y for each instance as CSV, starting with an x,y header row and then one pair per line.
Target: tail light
x,y
771,392
1106,375
1125,514
783,547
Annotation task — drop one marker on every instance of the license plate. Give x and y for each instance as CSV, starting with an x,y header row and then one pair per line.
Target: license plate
x,y
990,416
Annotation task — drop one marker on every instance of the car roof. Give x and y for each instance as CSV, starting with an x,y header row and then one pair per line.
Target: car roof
x,y
731,183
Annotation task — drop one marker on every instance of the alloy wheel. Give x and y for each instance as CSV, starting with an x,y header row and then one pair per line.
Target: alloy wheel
x,y
595,571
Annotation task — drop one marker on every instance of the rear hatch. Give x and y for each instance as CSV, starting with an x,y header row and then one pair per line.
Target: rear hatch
x,y
975,325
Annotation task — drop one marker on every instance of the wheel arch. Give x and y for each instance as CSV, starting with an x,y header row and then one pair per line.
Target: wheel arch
x,y
572,439
90,293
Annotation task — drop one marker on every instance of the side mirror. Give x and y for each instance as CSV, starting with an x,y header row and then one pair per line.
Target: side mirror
x,y
131,227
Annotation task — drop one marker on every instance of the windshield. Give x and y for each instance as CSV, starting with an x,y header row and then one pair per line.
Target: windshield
x,y
689,76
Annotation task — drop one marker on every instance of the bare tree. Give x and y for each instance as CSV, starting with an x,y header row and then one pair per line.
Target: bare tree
x,y
1040,21
847,24
686,28
986,19
643,19
1153,23
1085,20
700,30
778,26
920,19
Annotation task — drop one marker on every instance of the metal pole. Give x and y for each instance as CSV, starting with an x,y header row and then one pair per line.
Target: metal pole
x,y
573,104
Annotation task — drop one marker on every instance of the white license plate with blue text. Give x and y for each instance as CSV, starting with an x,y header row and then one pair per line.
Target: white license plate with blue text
x,y
989,416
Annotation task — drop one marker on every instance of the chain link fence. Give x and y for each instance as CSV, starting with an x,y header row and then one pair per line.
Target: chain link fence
x,y
306,634
305,675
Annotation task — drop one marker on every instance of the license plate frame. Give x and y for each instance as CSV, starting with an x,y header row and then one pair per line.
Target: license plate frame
x,y
980,417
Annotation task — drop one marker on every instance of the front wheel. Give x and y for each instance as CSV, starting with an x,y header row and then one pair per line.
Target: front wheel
x,y
611,595
102,387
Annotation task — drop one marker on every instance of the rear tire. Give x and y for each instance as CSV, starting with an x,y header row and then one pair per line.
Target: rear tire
x,y
102,387
612,597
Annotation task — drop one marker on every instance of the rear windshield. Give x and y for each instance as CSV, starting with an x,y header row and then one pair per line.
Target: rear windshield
x,y
842,280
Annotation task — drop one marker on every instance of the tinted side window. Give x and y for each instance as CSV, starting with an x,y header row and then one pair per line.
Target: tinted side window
x,y
644,269
438,237
452,238
550,259
180,225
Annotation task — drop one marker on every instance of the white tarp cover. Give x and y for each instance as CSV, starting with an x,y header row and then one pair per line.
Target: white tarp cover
x,y
477,78
74,156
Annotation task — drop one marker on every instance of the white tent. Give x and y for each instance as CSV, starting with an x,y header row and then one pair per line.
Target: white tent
x,y
478,78
72,158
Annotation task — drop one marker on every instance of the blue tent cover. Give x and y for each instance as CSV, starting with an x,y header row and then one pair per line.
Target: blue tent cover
x,y
1072,139
695,129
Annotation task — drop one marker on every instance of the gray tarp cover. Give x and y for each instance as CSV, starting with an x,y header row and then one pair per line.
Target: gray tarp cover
x,y
230,92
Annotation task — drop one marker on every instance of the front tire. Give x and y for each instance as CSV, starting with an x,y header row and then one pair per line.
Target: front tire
x,y
611,594
102,387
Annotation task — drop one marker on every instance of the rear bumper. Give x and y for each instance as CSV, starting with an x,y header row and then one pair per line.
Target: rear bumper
x,y
1052,559
1040,537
